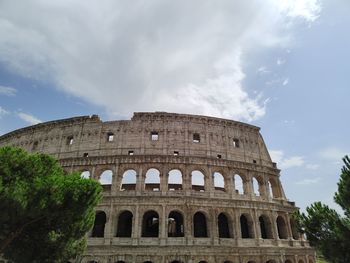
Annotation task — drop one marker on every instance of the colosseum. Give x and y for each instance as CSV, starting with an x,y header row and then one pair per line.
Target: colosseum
x,y
177,189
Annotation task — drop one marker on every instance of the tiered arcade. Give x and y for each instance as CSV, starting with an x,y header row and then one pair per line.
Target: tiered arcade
x,y
177,188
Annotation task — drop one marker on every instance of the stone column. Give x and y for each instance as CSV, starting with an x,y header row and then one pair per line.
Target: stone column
x,y
139,182
116,180
136,230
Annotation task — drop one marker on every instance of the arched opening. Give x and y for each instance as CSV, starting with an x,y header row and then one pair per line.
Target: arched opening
x,y
265,227
219,182
227,261
282,228
175,261
202,261
200,225
128,181
175,224
270,194
256,187
120,261
106,178
147,262
295,232
152,180
271,261
92,261
99,224
175,180
85,174
197,180
223,225
124,224
301,261
246,226
275,189
150,224
288,261
238,184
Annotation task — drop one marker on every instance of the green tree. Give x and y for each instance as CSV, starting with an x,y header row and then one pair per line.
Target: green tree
x,y
326,229
44,213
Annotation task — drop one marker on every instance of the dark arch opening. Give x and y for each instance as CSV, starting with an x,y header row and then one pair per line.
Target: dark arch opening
x,y
120,261
282,228
175,261
175,224
265,227
199,225
223,225
150,224
246,230
99,224
124,224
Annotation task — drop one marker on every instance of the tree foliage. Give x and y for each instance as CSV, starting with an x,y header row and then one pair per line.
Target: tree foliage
x,y
326,229
44,213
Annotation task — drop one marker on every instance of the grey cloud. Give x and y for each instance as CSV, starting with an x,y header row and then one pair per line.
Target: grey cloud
x,y
179,56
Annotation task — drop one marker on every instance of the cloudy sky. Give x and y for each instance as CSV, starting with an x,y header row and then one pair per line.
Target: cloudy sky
x,y
282,65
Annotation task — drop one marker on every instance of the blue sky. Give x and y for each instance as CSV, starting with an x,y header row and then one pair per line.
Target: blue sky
x,y
280,65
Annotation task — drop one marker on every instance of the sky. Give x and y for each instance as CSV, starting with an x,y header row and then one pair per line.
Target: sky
x,y
282,65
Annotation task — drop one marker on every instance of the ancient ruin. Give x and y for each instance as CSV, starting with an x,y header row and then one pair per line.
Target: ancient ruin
x,y
177,188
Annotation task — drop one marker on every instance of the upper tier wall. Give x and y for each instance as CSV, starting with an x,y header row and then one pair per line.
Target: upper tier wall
x,y
76,137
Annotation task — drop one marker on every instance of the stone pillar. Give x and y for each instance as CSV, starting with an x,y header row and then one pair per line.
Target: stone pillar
x,y
164,176
137,221
163,220
209,184
116,180
139,182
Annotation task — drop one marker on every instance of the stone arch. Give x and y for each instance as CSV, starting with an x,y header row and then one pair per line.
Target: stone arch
x,y
200,226
129,180
150,224
219,181
124,227
224,228
276,192
85,174
99,224
247,226
106,177
265,227
282,228
175,224
152,179
198,180
175,180
239,184
295,232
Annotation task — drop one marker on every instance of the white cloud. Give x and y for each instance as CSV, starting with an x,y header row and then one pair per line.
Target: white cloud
x,y
294,161
263,70
285,82
280,62
333,154
308,181
286,163
29,118
3,112
180,56
7,91
312,166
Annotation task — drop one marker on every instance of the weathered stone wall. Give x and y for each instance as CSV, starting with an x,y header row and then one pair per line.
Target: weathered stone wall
x,y
217,148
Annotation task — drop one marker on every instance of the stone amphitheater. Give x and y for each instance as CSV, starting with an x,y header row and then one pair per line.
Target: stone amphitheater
x,y
177,189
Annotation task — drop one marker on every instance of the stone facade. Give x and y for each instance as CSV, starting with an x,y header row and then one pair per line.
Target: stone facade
x,y
177,188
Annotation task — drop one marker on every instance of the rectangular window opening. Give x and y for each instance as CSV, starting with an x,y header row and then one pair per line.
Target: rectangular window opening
x,y
154,136
254,161
86,155
131,153
110,136
176,153
235,143
70,140
196,138
219,156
